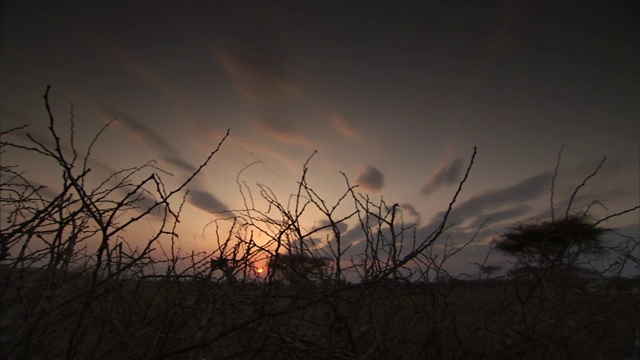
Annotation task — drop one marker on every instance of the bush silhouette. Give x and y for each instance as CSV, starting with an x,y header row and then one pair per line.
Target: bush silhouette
x,y
73,286
552,243
299,268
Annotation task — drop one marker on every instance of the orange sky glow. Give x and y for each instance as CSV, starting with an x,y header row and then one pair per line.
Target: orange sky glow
x,y
391,98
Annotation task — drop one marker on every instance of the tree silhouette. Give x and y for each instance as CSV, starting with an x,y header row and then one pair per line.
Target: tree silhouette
x,y
552,243
298,268
223,265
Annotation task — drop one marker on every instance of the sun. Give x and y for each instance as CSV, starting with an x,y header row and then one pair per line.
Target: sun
x,y
260,270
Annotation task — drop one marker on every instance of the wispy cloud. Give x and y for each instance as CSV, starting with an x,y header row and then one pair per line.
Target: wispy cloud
x,y
265,88
411,211
255,53
501,216
342,226
137,131
447,173
148,136
253,84
145,202
179,163
143,71
492,202
260,153
370,179
346,128
205,201
498,206
284,132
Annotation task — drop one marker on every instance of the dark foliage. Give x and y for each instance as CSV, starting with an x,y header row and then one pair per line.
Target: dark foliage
x,y
296,268
557,242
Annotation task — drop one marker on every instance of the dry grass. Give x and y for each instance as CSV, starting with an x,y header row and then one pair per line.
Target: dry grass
x,y
206,320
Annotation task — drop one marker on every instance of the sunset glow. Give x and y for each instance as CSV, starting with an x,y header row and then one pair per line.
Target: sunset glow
x,y
393,98
223,179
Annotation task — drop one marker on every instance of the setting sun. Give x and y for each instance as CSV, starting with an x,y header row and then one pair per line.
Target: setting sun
x,y
428,179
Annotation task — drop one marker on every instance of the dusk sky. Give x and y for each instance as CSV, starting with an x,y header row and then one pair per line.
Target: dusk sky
x,y
394,94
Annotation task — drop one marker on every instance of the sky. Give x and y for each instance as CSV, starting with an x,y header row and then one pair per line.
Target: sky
x,y
394,95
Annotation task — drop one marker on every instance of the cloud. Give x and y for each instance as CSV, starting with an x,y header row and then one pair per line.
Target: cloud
x,y
255,85
509,214
371,179
345,128
255,52
137,131
144,72
497,206
502,206
205,201
284,132
268,93
148,136
342,226
177,162
253,147
488,202
410,215
409,209
141,201
447,173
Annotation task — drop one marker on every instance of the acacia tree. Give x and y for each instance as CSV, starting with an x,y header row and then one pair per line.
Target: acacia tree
x,y
552,243
558,242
